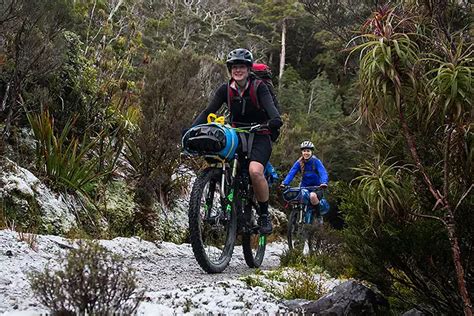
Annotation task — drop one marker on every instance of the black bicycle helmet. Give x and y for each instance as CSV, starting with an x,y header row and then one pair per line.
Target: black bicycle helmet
x,y
239,56
307,145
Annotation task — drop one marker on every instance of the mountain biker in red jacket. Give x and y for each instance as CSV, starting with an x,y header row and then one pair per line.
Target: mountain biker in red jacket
x,y
244,112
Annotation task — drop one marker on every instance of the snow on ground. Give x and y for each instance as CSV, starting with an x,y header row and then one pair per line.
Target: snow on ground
x,y
171,276
174,282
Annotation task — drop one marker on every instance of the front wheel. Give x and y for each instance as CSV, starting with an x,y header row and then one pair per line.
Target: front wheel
x,y
253,243
296,232
212,222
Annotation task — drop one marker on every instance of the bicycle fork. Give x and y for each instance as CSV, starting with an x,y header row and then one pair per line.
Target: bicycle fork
x,y
229,199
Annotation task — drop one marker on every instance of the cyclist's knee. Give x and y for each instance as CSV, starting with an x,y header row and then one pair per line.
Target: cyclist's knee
x,y
255,171
314,198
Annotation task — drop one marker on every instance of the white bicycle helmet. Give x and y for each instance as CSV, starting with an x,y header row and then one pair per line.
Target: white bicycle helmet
x,y
307,145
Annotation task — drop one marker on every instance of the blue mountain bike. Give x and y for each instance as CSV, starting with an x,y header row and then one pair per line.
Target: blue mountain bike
x,y
304,225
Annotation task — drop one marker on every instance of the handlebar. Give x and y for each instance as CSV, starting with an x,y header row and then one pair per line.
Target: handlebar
x,y
310,188
252,128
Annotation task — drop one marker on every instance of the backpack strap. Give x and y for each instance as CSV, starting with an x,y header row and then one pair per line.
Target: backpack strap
x,y
247,143
230,94
253,92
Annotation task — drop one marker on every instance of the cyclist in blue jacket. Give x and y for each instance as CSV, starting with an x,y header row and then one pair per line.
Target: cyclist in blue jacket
x,y
313,171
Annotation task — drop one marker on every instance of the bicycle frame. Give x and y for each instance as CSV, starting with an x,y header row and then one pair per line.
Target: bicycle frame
x,y
234,179
302,207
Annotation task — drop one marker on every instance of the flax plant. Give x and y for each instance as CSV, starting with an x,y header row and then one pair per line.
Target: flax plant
x,y
66,161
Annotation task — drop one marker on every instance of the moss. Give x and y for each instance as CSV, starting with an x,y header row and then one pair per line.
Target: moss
x,y
252,281
118,210
170,232
276,275
22,211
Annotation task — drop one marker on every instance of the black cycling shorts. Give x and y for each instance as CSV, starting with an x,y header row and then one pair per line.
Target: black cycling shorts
x,y
261,149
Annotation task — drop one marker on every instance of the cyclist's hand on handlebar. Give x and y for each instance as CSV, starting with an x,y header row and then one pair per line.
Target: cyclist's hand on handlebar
x,y
275,123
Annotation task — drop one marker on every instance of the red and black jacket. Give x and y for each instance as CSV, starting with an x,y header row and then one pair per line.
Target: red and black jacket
x,y
255,106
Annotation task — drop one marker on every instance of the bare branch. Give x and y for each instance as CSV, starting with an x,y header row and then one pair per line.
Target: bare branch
x,y
464,196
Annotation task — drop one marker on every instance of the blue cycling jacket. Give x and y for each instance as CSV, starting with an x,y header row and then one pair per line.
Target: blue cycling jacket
x,y
314,173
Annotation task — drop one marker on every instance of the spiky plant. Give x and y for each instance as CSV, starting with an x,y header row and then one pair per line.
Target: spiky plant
x,y
65,160
381,189
393,88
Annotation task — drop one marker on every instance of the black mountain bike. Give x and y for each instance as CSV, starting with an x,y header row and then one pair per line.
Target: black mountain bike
x,y
222,206
303,225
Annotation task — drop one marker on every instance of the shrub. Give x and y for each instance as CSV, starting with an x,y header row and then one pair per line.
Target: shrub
x,y
302,284
93,281
330,254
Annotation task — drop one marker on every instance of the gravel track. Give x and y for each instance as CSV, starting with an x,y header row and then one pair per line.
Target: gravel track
x,y
161,267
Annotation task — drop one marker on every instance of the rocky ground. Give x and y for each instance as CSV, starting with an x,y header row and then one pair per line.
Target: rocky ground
x,y
171,276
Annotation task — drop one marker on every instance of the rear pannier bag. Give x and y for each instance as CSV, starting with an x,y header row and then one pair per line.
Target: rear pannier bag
x,y
211,140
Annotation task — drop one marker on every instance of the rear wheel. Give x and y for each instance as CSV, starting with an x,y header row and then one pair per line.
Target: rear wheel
x,y
296,232
212,222
253,243
316,239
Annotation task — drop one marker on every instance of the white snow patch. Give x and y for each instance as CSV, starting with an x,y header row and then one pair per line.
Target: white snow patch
x,y
225,297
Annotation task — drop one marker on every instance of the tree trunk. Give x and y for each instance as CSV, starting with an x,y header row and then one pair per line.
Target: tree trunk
x,y
311,100
449,219
457,263
283,52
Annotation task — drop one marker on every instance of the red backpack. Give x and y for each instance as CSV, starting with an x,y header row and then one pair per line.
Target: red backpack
x,y
262,74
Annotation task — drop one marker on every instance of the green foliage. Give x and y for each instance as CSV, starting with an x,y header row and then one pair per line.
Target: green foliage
x,y
65,160
252,281
380,188
409,261
451,81
415,76
315,112
303,284
330,256
387,55
92,281
25,217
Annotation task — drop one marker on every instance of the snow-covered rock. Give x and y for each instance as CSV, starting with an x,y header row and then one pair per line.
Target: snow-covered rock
x,y
26,194
348,298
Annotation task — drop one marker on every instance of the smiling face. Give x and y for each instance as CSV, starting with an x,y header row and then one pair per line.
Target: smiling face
x,y
239,72
307,153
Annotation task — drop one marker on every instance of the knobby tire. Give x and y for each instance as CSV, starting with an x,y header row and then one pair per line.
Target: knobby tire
x,y
196,224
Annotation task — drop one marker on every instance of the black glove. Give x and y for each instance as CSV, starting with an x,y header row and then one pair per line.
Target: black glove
x,y
275,123
274,134
274,127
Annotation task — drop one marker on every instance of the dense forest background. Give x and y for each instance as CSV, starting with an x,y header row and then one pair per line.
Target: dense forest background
x,y
383,89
